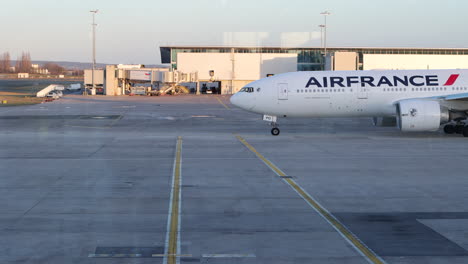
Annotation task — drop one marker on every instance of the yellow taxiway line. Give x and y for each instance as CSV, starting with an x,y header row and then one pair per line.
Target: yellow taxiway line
x,y
172,250
221,102
352,239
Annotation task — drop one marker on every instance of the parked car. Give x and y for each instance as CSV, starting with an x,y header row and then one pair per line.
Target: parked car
x,y
211,90
53,95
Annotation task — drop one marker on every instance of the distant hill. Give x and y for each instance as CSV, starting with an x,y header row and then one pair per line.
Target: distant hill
x,y
70,65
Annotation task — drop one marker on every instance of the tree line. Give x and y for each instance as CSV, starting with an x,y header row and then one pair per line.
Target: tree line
x,y
23,64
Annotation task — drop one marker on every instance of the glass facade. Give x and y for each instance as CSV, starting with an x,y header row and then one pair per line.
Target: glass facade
x,y
308,59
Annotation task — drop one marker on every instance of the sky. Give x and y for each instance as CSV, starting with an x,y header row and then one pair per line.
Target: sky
x,y
132,31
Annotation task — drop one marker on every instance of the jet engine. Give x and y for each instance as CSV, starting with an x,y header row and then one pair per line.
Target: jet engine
x,y
421,115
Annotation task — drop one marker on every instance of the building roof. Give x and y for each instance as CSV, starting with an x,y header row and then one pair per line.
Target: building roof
x,y
166,50
276,47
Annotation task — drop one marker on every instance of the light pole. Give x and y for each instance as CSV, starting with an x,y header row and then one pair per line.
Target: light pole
x,y
325,14
93,89
321,35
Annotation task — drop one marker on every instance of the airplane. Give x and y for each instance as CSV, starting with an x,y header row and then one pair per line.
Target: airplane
x,y
412,100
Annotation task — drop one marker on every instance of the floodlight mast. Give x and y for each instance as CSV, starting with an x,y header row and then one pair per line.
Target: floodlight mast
x,y
325,14
321,35
93,89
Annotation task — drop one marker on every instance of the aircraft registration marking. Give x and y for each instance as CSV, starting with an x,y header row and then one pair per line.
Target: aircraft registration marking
x,y
352,239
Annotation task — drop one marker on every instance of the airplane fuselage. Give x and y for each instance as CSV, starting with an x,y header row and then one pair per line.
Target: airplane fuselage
x,y
421,100
350,93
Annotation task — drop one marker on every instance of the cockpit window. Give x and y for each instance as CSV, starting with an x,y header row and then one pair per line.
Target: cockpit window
x,y
247,89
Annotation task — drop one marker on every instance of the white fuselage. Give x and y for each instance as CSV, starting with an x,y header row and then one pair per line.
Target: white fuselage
x,y
347,93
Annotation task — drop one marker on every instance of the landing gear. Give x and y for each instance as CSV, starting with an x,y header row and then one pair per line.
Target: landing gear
x,y
465,131
275,131
459,128
449,129
272,119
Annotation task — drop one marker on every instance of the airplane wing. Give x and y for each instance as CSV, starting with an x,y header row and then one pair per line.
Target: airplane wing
x,y
453,101
460,97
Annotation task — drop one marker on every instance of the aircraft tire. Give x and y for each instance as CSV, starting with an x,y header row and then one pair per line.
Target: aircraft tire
x,y
465,131
449,129
459,129
275,131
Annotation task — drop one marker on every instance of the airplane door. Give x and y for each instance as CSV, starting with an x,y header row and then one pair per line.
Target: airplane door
x,y
282,91
362,92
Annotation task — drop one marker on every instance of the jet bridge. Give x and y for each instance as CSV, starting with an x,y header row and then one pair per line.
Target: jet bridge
x,y
136,79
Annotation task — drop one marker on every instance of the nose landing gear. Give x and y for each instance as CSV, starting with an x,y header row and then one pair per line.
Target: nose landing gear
x,y
275,130
272,119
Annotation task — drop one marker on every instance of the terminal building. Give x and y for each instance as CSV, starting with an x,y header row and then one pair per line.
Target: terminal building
x,y
225,70
230,68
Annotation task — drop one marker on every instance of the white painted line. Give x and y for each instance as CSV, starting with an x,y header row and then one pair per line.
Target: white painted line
x,y
6,111
114,256
229,256
203,116
163,255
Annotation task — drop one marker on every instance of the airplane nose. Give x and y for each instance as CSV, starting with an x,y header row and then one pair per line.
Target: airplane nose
x,y
242,100
235,100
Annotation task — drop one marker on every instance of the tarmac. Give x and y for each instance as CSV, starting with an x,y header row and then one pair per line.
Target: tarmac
x,y
192,179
